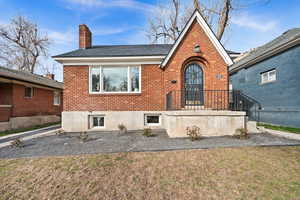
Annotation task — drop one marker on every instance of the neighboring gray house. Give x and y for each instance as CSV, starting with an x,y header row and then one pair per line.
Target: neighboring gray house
x,y
271,75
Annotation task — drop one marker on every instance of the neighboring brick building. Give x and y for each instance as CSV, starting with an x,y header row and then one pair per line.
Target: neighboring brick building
x,y
143,81
28,99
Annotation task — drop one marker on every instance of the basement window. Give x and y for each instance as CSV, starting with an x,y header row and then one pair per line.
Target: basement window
x,y
152,119
28,92
97,121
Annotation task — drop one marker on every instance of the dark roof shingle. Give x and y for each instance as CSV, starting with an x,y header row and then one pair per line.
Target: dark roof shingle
x,y
122,51
29,77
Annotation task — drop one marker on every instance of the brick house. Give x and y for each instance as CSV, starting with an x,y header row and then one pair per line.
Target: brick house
x,y
28,99
157,85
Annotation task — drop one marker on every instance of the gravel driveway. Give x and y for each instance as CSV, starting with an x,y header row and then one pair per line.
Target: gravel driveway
x,y
109,142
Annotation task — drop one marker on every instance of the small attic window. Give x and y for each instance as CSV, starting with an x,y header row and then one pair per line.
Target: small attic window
x,y
197,48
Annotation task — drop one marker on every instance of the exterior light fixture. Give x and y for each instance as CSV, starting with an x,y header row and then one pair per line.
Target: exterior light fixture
x,y
197,48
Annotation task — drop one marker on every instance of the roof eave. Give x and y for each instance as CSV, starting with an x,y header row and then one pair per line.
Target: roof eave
x,y
33,82
108,60
266,55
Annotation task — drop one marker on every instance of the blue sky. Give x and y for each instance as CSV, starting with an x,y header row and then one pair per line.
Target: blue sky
x,y
125,21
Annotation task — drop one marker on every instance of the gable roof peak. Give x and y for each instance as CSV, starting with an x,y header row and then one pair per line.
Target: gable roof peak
x,y
201,21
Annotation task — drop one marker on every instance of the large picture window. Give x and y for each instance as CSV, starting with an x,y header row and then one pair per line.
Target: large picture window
x,y
115,79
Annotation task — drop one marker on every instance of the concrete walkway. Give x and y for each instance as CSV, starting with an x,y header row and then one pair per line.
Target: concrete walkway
x,y
292,136
6,140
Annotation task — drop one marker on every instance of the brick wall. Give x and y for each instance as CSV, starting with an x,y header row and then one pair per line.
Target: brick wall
x,y
40,104
77,97
5,93
156,82
209,59
4,114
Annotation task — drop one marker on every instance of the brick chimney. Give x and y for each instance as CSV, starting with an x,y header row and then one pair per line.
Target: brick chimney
x,y
50,76
85,37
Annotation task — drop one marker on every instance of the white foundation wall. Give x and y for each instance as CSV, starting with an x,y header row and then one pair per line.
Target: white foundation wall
x,y
211,123
133,120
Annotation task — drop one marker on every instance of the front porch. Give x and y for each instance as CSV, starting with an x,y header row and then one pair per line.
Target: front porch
x,y
193,99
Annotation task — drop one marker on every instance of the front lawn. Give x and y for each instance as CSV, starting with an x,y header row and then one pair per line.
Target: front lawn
x,y
230,173
281,128
19,130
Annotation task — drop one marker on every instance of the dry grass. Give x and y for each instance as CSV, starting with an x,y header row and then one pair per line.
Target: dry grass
x,y
241,173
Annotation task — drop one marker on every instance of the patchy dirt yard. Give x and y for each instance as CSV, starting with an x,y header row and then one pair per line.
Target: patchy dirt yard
x,y
228,173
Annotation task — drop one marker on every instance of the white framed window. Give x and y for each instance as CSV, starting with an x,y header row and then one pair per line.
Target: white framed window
x,y
56,98
97,121
28,92
115,79
268,76
152,119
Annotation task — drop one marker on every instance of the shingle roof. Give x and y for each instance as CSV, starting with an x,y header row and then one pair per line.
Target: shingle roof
x,y
29,77
286,37
122,50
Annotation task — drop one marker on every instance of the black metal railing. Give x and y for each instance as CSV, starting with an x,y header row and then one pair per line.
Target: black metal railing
x,y
233,100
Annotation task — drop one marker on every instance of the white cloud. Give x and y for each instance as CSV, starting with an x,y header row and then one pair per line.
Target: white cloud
x,y
62,37
131,4
254,22
108,31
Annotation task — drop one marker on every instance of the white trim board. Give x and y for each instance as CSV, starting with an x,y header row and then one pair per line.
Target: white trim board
x,y
208,32
109,60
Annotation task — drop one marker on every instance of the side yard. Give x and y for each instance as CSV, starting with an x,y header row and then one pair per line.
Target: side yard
x,y
280,128
241,173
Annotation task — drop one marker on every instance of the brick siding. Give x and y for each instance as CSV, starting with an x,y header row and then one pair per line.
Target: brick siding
x,y
156,82
40,104
5,114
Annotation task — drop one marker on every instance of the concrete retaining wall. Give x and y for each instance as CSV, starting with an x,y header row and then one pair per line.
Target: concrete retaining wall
x,y
211,123
22,122
4,126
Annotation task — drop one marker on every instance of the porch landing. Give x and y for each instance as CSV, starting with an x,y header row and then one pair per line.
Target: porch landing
x,y
210,122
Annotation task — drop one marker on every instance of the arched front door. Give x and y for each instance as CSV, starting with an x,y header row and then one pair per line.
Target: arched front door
x,y
193,85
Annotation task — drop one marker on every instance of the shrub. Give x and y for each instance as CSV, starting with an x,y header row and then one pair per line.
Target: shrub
x,y
148,132
122,128
17,143
60,132
83,136
241,133
193,132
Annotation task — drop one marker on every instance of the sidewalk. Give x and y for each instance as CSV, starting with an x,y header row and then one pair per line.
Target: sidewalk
x,y
293,136
5,140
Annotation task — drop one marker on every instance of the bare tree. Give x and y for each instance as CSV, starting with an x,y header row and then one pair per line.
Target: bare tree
x,y
22,44
167,24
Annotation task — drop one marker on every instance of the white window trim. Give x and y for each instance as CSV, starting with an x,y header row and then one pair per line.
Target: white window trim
x,y
128,84
152,124
59,95
268,76
31,94
91,122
